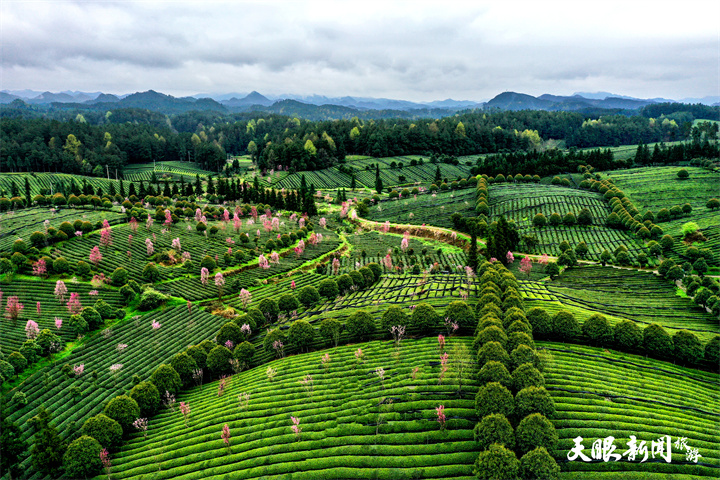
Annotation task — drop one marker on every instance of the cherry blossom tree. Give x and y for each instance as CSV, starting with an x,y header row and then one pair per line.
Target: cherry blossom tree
x,y
296,427
176,245
106,235
73,305
404,244
225,435
237,223
58,323
142,425
185,410
335,266
168,218
510,257
322,222
95,256
526,266
40,268
245,298
262,262
204,275
133,225
386,226
13,308
219,283
441,416
31,330
149,222
275,258
387,261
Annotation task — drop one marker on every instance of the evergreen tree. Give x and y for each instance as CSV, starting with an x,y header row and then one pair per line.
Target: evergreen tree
x,y
353,182
378,180
438,176
48,450
473,252
13,448
122,188
210,186
198,185
28,198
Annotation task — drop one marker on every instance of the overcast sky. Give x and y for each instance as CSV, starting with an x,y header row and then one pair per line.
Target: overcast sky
x,y
420,51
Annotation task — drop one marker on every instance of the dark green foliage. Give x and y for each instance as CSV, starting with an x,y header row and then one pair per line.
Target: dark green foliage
x,y
552,269
494,398
124,410
13,447
18,362
494,371
494,428
657,342
229,331
46,339
496,463
6,370
541,323
166,379
368,276
516,339
627,336
301,334
330,331
82,458
270,310
534,399
524,354
92,317
491,334
151,299
308,296
244,353
598,330
328,288
274,335
184,365
128,294
119,277
30,350
150,273
218,360
358,279
535,430
105,310
198,354
393,316
459,312
147,396
492,351
564,326
687,347
424,318
105,430
526,375
712,351
376,270
360,325
208,262
538,464
344,282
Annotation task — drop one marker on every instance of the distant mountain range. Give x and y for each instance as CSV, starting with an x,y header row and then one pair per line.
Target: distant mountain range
x,y
322,107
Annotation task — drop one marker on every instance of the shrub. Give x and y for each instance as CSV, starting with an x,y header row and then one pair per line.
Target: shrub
x,y
535,430
208,262
627,335
308,296
526,375
538,464
564,326
105,430
105,310
516,339
218,360
147,397
119,277
376,270
541,323
244,353
657,342
330,331
494,371
127,294
124,410
492,351
494,398
524,354
358,279
6,370
198,354
494,428
712,351
269,309
184,365
360,325
328,288
18,362
393,316
683,174
229,331
598,329
150,273
368,276
496,463
344,282
272,336
301,334
534,399
491,334
82,458
424,318
687,347
92,317
166,379
460,313
151,299
61,266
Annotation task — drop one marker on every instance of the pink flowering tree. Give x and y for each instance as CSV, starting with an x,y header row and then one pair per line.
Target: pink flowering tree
x,y
142,425
225,435
387,261
526,266
322,222
296,427
130,239
40,268
262,262
404,244
149,222
31,330
105,235
13,308
58,323
176,245
544,260
444,359
168,218
276,224
133,225
245,298
95,256
105,460
441,416
386,226
204,275
185,410
510,257
275,258
237,223
73,305
219,283
441,341
335,266
301,223
37,307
